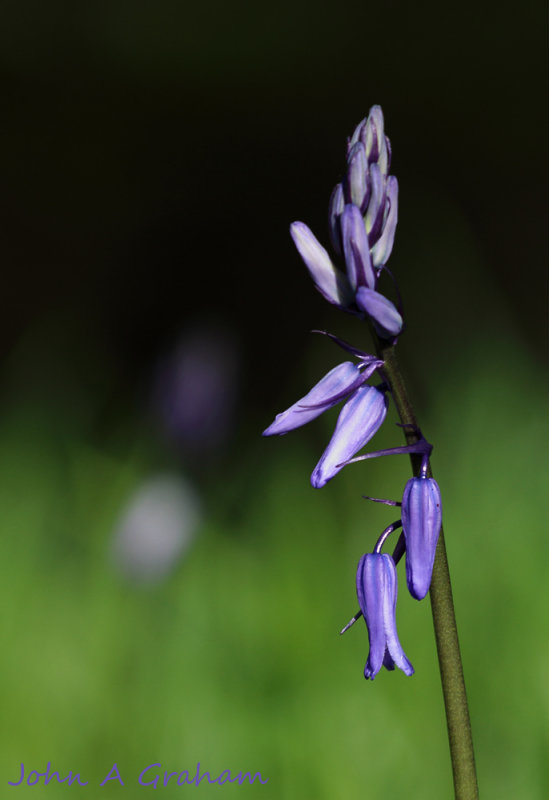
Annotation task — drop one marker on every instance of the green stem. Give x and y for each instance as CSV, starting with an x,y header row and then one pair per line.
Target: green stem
x,y
444,620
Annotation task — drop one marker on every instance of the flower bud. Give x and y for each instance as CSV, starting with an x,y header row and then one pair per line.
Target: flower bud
x,y
376,204
330,281
384,245
387,320
356,186
372,134
356,248
421,522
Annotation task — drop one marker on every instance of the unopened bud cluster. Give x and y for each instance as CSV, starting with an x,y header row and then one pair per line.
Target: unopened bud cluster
x,y
362,220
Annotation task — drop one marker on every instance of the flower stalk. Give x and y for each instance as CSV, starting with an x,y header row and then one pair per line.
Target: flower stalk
x,y
362,218
442,607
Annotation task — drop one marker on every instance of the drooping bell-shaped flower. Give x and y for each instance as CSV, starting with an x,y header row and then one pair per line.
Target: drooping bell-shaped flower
x,y
376,588
421,522
359,419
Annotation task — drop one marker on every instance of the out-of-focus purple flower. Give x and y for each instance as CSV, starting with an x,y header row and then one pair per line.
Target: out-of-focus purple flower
x,y
421,522
195,389
362,221
376,588
359,419
156,527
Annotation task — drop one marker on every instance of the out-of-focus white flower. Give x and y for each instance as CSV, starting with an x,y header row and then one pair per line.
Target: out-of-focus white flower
x,y
156,527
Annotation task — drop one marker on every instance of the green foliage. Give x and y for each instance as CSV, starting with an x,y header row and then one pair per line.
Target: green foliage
x,y
235,661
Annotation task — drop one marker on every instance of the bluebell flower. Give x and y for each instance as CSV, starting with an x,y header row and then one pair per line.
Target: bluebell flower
x,y
360,418
362,218
376,588
421,522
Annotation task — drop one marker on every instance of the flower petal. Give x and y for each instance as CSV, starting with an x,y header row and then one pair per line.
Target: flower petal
x,y
358,134
387,321
356,248
330,281
421,521
373,133
376,204
394,648
389,152
356,180
337,204
359,419
383,160
339,382
384,245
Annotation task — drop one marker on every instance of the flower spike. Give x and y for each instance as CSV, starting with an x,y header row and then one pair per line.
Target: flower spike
x,y
362,220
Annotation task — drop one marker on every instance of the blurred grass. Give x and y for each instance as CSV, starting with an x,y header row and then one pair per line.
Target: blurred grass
x,y
234,661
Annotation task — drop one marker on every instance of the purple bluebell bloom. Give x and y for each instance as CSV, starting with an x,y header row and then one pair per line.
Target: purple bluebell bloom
x,y
359,419
376,588
421,522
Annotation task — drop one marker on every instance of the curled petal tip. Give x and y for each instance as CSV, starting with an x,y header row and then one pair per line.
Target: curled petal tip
x,y
356,248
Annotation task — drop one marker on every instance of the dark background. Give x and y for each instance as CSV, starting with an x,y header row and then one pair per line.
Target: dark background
x,y
153,156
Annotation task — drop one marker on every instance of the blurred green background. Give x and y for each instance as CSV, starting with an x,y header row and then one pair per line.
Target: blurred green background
x,y
172,587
